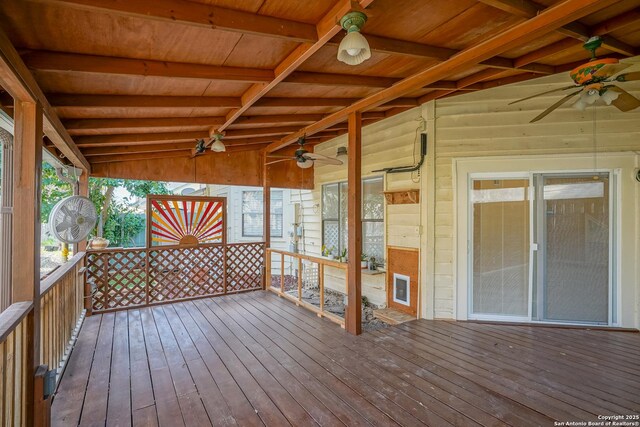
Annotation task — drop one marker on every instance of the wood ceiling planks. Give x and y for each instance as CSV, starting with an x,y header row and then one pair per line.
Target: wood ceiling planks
x,y
117,68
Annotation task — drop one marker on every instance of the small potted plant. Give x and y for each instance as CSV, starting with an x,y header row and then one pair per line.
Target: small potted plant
x,y
364,261
343,255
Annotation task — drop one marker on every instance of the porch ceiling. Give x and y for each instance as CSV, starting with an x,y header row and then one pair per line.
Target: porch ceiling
x,y
158,75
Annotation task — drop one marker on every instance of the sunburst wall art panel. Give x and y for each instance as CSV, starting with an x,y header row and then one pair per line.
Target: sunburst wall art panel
x,y
181,220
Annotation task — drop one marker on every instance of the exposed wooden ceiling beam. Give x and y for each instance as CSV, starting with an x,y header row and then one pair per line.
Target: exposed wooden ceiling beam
x,y
546,51
157,148
548,20
166,122
80,63
234,136
201,15
154,101
145,101
59,61
21,85
328,27
140,156
529,9
617,22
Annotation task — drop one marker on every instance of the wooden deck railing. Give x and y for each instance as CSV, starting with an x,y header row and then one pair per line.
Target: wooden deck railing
x,y
61,312
16,374
301,279
124,278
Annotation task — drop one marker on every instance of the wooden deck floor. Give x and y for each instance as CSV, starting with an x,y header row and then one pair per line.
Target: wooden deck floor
x,y
255,359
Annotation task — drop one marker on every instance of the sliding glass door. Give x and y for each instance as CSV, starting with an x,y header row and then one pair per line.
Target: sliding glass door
x,y
572,279
540,248
500,270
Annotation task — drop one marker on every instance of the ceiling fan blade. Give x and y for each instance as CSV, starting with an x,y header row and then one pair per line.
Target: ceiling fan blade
x,y
543,93
610,69
628,77
554,106
281,160
625,101
322,159
280,157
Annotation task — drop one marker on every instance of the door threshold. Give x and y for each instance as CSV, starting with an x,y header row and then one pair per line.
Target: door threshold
x,y
556,325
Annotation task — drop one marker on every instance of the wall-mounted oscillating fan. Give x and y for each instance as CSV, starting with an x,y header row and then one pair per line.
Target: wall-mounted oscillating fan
x,y
72,218
305,159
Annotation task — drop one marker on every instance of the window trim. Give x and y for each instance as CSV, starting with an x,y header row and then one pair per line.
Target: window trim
x,y
363,221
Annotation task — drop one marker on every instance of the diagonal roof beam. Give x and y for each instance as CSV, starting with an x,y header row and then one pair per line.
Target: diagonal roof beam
x,y
529,9
328,27
548,20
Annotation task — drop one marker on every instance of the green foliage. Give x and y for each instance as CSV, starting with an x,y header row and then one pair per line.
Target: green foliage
x,y
122,223
53,190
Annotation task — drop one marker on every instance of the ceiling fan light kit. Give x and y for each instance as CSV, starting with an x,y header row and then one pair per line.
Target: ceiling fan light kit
x,y
217,146
354,48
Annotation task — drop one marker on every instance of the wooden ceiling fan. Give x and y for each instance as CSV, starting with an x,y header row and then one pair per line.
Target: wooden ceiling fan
x,y
304,159
595,83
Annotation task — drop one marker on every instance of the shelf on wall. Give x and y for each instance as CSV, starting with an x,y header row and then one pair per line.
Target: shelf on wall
x,y
402,197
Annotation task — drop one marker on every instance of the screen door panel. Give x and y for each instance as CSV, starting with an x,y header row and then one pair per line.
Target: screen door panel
x,y
501,212
576,248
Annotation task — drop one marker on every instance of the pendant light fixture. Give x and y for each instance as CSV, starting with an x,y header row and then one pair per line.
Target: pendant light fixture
x,y
354,48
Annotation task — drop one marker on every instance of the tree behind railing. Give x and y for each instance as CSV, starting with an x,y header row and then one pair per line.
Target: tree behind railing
x,y
125,278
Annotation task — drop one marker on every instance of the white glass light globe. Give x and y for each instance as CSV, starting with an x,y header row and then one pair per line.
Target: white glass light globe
x,y
354,49
305,165
218,146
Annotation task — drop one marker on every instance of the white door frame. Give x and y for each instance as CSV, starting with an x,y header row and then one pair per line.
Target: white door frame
x,y
465,169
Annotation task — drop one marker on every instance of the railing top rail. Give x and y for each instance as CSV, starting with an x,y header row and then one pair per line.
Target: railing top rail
x,y
12,316
163,247
319,260
48,282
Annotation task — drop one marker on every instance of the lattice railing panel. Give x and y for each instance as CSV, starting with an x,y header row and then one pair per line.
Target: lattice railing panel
x,y
245,263
118,278
179,273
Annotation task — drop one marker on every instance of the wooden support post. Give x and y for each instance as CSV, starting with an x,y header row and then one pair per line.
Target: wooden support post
x,y
266,214
25,274
353,319
83,190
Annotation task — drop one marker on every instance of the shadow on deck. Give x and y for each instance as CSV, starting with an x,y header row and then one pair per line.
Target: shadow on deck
x,y
254,358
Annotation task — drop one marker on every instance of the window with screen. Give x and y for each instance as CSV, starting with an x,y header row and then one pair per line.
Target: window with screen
x,y
252,213
334,217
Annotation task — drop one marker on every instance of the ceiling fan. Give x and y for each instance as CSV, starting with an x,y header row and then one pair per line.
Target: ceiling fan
x,y
304,159
214,143
594,82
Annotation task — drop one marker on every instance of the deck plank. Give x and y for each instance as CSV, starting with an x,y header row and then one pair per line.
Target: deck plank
x,y
119,404
69,399
256,359
94,410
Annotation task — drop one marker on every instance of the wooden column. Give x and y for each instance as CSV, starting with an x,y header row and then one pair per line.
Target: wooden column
x,y
83,190
354,182
266,217
25,273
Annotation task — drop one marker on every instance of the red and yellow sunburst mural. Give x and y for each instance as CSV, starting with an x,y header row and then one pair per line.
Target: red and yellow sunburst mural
x,y
183,220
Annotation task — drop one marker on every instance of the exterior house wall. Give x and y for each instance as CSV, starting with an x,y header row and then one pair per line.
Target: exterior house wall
x,y
385,144
482,127
234,214
463,132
